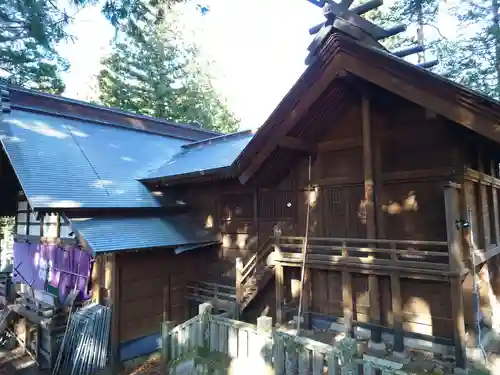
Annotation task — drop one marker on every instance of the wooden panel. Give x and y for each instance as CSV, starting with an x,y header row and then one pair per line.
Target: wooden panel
x,y
277,204
237,206
341,212
427,308
472,208
414,211
333,287
342,163
153,284
361,297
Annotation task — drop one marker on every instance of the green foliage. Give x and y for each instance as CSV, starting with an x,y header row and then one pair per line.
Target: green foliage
x,y
29,30
475,59
153,71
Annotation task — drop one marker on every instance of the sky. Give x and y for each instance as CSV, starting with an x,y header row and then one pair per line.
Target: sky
x,y
257,47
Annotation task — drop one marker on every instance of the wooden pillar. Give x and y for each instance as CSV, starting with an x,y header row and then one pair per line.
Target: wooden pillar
x,y
278,276
114,289
306,298
397,305
239,286
347,300
371,228
452,206
96,279
494,195
484,238
256,215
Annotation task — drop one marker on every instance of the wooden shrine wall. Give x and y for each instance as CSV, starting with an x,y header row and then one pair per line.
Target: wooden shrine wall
x,y
413,156
153,283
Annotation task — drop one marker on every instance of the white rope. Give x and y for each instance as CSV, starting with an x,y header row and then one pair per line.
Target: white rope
x,y
304,249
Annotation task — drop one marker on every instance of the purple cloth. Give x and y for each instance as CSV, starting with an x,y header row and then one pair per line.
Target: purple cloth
x,y
31,261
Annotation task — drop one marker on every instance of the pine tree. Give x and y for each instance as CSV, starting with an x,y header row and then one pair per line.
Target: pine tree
x,y
29,31
476,62
153,71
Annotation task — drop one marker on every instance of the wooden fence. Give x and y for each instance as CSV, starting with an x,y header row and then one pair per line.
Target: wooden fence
x,y
213,344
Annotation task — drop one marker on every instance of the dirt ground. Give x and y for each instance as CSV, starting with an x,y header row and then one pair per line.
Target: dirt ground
x,y
18,363
150,367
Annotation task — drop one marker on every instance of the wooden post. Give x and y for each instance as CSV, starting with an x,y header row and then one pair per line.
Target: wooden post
x,y
239,286
397,305
96,279
371,228
166,327
484,239
347,300
264,324
279,279
306,299
452,206
256,215
494,195
115,302
203,310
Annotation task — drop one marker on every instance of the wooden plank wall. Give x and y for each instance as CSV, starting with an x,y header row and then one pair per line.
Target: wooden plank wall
x,y
153,286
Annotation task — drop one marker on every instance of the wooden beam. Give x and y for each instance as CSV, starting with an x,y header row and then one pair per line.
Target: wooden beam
x,y
294,143
395,82
452,207
371,228
340,144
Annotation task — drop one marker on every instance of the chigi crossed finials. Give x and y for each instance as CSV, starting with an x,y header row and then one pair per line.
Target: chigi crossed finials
x,y
341,17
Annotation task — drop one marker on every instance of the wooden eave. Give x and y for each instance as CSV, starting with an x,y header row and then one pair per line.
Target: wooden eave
x,y
342,56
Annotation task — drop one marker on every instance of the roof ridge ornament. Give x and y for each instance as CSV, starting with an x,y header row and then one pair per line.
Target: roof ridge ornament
x,y
5,98
340,16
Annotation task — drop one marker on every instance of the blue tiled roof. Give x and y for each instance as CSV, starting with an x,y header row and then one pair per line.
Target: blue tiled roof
x,y
70,163
204,156
112,234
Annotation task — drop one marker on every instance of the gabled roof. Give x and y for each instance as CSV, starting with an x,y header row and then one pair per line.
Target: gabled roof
x,y
56,105
68,163
68,155
204,157
111,234
321,95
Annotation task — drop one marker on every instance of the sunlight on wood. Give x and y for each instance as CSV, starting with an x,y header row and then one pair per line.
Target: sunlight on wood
x,y
418,315
209,222
409,203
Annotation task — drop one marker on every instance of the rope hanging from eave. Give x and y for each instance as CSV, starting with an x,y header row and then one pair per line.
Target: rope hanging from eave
x,y
304,248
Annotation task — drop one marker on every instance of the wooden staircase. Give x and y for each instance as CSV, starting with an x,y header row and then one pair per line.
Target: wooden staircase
x,y
250,280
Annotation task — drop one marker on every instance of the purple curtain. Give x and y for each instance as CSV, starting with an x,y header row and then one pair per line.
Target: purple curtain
x,y
34,263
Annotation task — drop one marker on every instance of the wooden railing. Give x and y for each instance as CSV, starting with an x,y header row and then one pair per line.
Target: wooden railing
x,y
222,297
214,344
258,258
421,255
